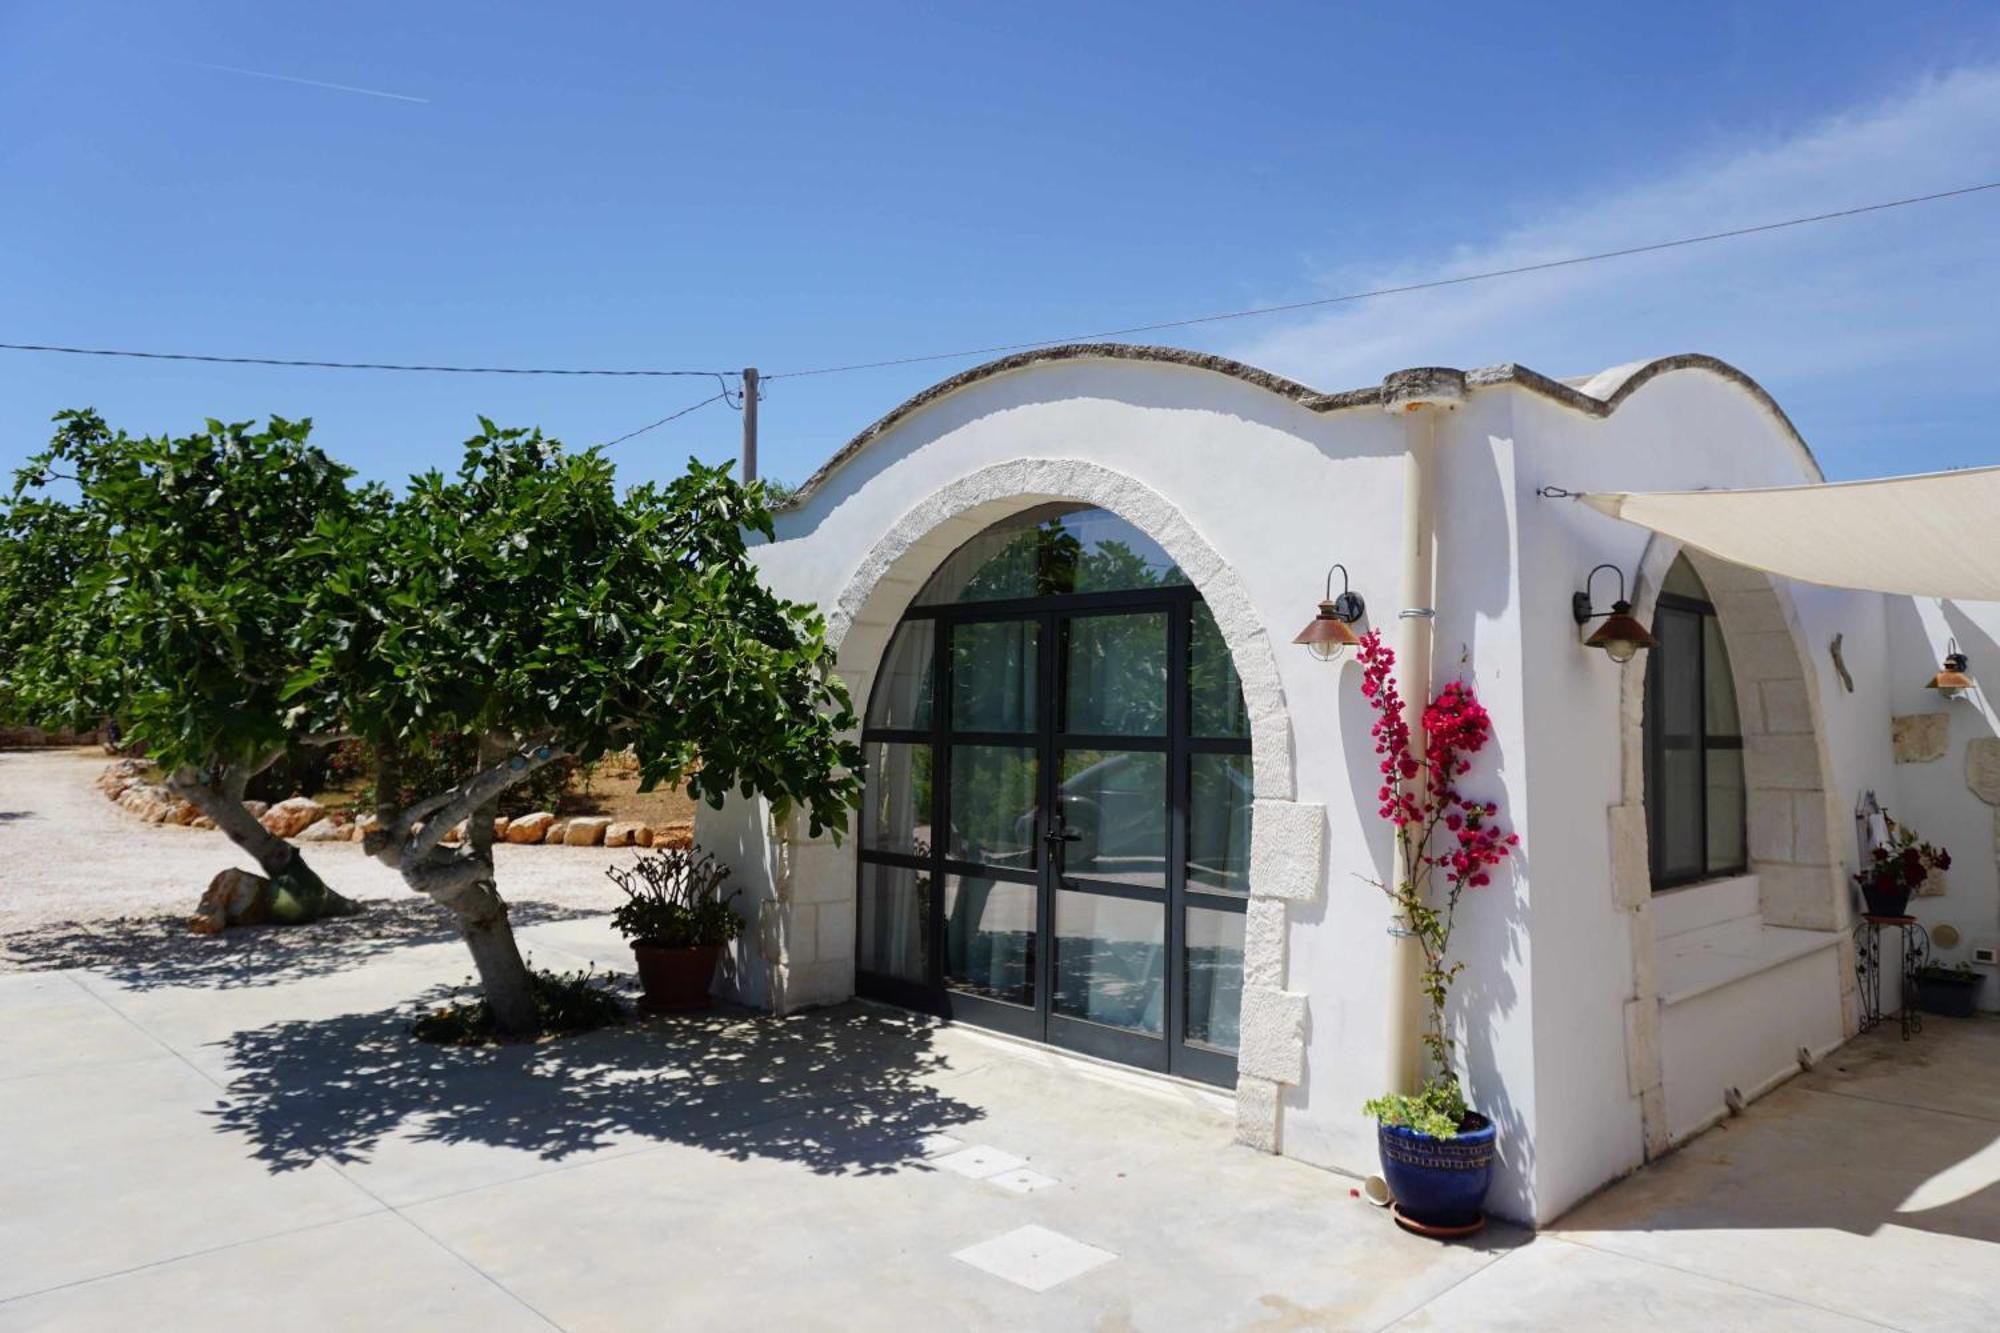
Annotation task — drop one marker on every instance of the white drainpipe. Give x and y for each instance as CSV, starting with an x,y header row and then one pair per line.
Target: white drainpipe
x,y
1420,396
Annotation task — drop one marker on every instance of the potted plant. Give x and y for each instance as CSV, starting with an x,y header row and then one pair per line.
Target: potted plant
x,y
1896,869
677,920
1437,1152
1951,990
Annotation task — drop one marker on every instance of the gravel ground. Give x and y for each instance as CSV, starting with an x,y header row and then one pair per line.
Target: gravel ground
x,y
68,855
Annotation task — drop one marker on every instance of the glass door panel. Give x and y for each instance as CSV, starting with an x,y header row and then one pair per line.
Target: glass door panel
x,y
995,675
1219,793
1214,960
1110,960
1113,808
989,938
995,801
896,817
891,938
1115,675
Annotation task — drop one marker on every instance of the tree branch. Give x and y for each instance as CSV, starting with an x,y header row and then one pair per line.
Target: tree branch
x,y
441,814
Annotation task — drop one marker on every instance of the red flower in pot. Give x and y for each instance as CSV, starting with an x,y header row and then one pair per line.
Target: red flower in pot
x,y
1898,868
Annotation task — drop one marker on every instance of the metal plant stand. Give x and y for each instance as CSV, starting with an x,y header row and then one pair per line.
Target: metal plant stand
x,y
1913,952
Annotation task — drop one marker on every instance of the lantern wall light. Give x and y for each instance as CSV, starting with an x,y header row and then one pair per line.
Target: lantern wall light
x,y
1952,682
1620,636
1331,632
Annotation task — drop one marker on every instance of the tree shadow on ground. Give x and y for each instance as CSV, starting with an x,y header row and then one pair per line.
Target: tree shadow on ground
x,y
843,1091
150,952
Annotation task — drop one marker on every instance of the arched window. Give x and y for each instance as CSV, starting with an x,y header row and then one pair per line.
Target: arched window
x,y
1055,838
1694,740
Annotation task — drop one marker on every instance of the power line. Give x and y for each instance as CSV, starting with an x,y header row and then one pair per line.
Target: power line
x,y
1393,291
675,416
351,365
997,349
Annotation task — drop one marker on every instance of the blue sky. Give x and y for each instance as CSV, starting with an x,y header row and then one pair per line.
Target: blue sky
x,y
794,186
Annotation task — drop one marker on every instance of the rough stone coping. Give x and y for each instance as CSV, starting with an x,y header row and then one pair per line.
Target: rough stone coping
x,y
1314,400
155,804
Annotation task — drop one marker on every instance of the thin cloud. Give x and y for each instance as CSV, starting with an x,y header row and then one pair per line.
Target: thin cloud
x,y
310,83
1842,317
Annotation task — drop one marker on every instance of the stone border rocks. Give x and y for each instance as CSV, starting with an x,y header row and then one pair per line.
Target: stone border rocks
x,y
302,819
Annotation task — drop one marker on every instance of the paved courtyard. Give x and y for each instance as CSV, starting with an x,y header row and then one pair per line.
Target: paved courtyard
x,y
239,1134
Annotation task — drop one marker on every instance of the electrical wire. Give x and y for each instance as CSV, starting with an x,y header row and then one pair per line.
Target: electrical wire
x,y
352,365
675,416
1432,285
724,378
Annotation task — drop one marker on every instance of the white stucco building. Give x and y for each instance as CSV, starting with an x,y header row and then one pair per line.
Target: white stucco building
x,y
1112,806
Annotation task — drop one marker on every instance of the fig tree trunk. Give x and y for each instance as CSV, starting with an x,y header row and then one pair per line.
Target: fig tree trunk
x,y
461,881
298,894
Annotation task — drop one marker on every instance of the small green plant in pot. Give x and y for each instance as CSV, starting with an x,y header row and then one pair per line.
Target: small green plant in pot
x,y
1437,1152
1951,989
678,922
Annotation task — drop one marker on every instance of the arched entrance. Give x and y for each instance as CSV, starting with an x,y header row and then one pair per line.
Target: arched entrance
x,y
1056,835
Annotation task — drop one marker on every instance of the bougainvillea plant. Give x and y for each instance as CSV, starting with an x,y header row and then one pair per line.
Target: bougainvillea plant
x,y
1445,837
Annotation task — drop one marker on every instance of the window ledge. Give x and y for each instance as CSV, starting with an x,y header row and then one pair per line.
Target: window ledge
x,y
1703,905
1705,960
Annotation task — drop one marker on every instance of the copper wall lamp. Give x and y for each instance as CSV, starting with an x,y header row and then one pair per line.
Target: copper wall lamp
x,y
1620,636
1331,632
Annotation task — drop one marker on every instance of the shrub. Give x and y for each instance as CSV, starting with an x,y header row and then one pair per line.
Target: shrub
x,y
673,900
304,770
567,1003
1439,1110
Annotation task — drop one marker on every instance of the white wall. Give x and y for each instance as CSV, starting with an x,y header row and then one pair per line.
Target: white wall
x,y
1932,796
1279,493
1680,431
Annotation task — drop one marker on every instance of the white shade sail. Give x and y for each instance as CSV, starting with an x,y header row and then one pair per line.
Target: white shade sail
x,y
1936,535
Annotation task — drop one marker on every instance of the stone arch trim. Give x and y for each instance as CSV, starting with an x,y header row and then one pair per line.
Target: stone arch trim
x,y
1288,837
880,589
1792,820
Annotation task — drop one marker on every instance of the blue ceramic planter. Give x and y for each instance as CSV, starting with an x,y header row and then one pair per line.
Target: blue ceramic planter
x,y
1438,1182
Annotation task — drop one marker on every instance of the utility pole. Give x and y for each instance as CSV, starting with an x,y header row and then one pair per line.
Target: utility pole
x,y
749,424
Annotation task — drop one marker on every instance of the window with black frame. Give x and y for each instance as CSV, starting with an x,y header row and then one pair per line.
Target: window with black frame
x,y
1695,790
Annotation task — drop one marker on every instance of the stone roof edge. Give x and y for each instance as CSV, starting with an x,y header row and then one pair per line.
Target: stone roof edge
x,y
1313,400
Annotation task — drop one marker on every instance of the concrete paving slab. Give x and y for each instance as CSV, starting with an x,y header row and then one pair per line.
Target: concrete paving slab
x,y
979,1162
410,1121
62,1026
1890,1213
1552,1284
827,1235
371,1273
685,1171
73,1111
1952,1065
1023,1181
28,989
1034,1258
126,1203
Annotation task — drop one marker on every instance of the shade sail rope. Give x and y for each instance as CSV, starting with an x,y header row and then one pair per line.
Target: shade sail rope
x,y
1934,535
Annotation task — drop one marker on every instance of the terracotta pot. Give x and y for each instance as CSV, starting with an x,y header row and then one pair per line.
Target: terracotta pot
x,y
675,980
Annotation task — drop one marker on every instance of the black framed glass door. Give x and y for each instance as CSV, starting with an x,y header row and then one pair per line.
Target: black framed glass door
x,y
1055,839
